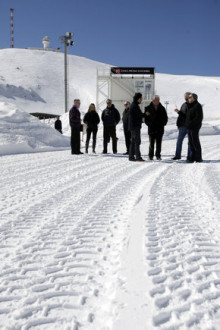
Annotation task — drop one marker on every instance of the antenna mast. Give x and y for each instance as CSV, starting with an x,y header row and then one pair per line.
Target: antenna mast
x,y
12,27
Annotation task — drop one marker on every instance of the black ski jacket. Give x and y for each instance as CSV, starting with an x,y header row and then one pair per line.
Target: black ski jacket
x,y
181,120
157,119
125,116
110,116
135,116
58,124
194,115
91,119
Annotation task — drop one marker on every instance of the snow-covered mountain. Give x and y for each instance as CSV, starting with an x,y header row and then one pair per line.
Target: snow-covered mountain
x,y
33,81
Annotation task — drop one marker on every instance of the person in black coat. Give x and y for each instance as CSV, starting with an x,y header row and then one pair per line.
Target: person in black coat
x,y
155,118
75,123
91,119
110,118
181,125
127,133
58,125
135,119
194,117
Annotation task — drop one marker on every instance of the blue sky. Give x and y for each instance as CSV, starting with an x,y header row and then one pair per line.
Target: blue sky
x,y
174,36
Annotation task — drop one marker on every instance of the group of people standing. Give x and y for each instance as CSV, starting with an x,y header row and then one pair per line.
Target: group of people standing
x,y
189,122
110,117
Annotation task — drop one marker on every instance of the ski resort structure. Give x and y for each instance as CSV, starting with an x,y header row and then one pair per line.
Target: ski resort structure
x,y
121,83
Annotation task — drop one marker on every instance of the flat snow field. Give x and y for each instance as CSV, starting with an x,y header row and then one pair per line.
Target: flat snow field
x,y
98,242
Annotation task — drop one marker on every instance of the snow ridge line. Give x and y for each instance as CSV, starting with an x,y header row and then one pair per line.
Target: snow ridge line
x,y
132,308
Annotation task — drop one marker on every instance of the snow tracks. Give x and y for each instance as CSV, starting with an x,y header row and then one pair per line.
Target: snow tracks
x,y
183,247
97,242
63,224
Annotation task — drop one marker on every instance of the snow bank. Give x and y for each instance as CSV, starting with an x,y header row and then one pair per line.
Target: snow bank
x,y
23,133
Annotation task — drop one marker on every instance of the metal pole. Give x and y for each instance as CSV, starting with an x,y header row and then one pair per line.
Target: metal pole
x,y
66,40
65,76
166,102
12,27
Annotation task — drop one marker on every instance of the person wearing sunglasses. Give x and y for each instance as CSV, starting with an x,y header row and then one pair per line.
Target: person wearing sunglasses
x,y
182,130
194,117
110,117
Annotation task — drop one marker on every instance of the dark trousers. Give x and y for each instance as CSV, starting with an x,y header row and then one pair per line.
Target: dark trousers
x,y
195,145
152,139
135,143
75,140
90,131
127,139
109,131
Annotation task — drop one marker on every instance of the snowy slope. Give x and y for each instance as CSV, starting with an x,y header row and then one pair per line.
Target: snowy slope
x,y
34,81
171,88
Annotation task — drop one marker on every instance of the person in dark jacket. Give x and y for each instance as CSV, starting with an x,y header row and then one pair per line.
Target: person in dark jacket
x,y
194,117
75,123
135,119
127,133
155,118
58,125
181,125
110,118
91,119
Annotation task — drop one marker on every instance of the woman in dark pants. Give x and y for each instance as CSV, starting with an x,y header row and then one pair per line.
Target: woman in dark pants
x,y
91,119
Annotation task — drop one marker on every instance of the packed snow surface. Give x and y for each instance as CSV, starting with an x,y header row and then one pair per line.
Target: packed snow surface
x,y
98,242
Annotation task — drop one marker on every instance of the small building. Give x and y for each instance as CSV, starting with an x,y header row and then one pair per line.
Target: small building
x,y
121,83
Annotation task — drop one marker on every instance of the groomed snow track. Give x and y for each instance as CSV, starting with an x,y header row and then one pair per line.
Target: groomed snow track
x,y
97,242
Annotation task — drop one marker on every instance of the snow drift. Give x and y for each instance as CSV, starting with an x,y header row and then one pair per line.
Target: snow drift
x,y
21,132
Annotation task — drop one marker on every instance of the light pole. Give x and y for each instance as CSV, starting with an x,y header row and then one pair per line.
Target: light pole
x,y
67,41
166,102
